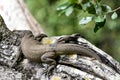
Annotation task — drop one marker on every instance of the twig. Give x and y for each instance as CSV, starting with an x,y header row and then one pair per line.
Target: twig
x,y
114,10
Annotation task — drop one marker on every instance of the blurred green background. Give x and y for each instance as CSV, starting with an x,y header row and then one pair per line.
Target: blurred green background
x,y
107,38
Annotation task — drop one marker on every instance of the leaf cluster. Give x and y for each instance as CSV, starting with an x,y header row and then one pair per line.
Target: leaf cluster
x,y
97,10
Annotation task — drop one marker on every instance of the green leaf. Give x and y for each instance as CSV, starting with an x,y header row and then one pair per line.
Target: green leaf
x,y
61,12
78,6
99,25
85,6
114,16
99,19
85,20
73,1
91,9
106,8
69,11
63,6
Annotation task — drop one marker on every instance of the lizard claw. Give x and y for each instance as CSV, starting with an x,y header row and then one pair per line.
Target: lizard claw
x,y
69,39
62,40
40,37
48,72
49,57
77,35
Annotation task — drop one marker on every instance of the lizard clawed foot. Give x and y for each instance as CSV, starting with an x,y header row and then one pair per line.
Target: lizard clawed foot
x,y
48,71
49,58
40,37
77,35
69,39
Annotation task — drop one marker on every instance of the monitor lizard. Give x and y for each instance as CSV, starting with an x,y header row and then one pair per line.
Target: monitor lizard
x,y
34,50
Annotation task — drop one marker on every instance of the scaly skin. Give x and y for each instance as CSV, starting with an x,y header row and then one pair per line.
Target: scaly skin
x,y
36,51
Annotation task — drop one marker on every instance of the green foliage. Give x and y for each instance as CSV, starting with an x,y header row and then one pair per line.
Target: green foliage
x,y
85,20
97,10
99,24
114,15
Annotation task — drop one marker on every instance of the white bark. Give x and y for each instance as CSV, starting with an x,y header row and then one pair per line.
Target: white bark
x,y
13,15
17,16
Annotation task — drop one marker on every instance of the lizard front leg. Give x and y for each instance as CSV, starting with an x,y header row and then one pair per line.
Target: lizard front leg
x,y
49,58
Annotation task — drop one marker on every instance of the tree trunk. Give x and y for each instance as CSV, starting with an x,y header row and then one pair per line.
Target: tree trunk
x,y
14,66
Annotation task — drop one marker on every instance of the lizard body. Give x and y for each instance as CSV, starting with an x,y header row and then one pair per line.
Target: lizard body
x,y
36,51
